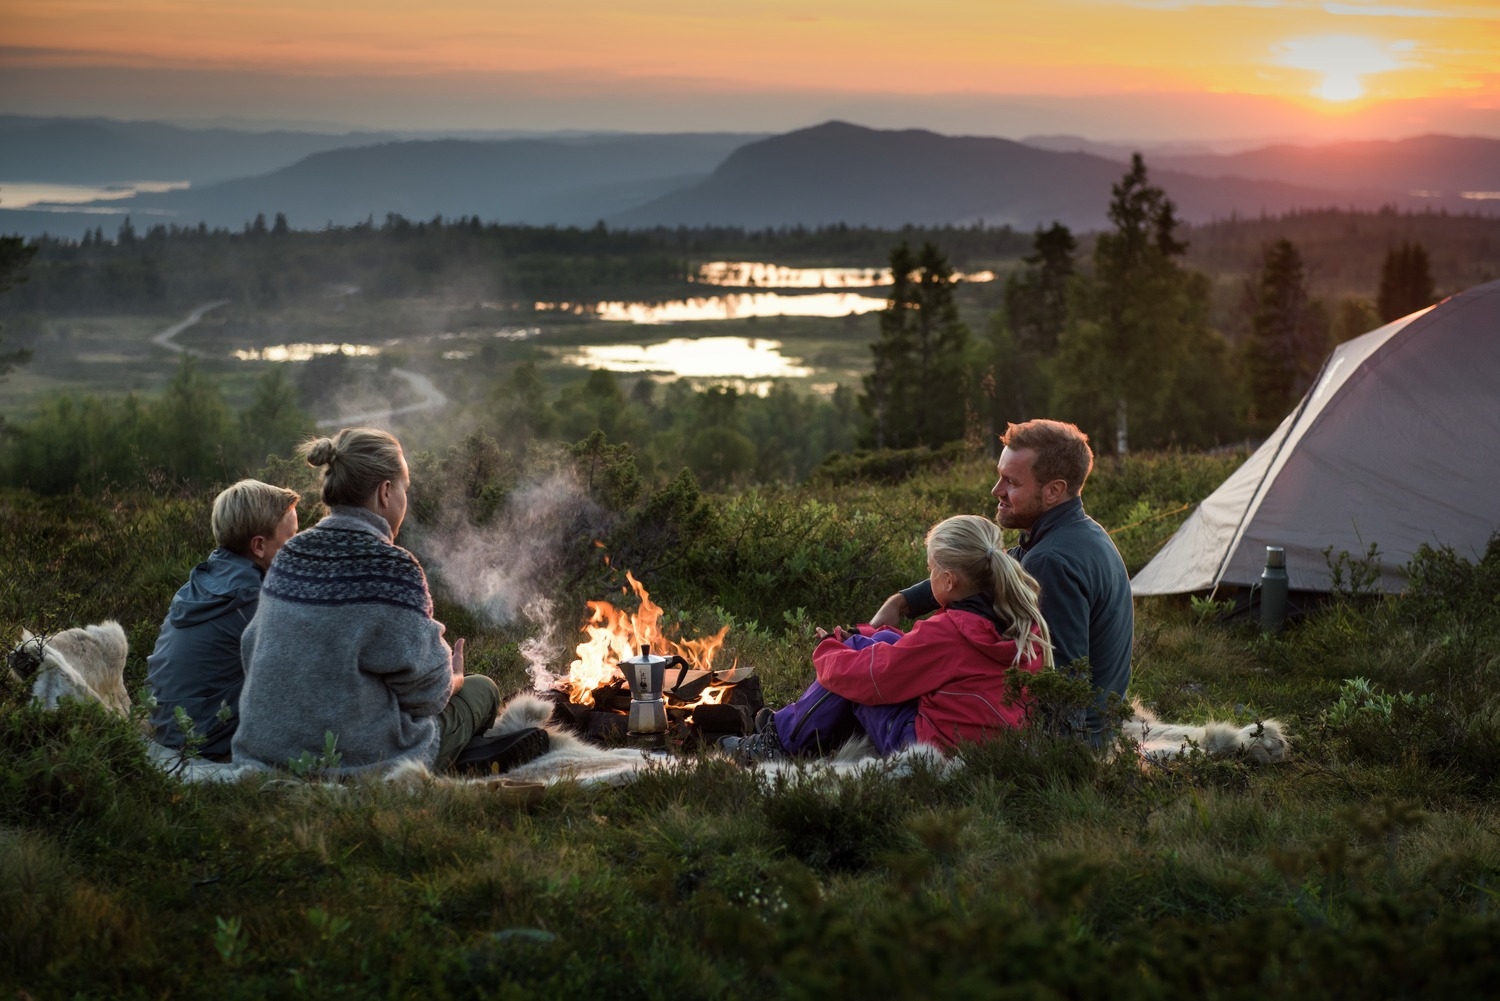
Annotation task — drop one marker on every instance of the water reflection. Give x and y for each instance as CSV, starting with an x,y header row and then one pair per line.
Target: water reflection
x,y
307,352
703,358
304,352
722,307
44,196
741,274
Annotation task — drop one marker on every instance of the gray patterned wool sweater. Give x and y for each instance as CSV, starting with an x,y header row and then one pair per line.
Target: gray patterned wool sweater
x,y
343,642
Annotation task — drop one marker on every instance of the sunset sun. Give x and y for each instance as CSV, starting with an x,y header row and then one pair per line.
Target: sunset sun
x,y
1344,61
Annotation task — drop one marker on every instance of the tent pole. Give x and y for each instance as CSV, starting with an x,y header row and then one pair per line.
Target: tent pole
x,y
1239,528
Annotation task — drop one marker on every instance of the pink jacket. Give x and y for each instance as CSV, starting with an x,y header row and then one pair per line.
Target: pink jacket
x,y
954,663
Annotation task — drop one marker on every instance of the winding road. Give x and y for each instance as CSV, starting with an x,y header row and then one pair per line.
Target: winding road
x,y
167,338
431,398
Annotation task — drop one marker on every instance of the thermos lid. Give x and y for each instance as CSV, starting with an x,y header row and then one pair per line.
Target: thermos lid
x,y
1275,556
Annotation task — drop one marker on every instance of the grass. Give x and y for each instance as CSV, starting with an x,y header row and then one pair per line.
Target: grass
x,y
1365,866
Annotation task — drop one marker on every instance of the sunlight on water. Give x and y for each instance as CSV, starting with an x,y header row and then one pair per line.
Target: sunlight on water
x,y
305,352
723,307
759,274
704,358
20,194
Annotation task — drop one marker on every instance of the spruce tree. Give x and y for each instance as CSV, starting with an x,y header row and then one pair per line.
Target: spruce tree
x,y
1405,282
14,256
1023,337
917,389
1288,335
1137,359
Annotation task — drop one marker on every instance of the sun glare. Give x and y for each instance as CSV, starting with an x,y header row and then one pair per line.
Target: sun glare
x,y
1343,60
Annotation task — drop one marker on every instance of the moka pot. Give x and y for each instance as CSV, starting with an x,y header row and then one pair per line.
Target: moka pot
x,y
645,675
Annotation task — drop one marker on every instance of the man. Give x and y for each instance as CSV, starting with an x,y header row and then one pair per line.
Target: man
x,y
196,663
1085,589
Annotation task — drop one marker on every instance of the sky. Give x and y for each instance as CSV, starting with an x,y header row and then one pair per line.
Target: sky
x,y
1159,70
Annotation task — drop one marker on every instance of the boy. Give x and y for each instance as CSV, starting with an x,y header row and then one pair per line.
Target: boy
x,y
196,663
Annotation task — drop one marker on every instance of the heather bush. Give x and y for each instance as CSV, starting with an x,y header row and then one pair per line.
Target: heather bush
x,y
1364,866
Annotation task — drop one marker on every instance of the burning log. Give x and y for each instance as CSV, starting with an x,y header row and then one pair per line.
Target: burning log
x,y
681,699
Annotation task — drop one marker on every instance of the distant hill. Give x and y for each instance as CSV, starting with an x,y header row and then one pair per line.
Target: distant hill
x,y
839,172
1445,166
831,173
566,181
102,150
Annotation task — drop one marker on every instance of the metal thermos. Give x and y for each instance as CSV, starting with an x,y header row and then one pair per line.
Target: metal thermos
x,y
1273,589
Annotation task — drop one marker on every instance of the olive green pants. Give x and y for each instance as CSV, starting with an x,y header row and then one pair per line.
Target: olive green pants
x,y
468,714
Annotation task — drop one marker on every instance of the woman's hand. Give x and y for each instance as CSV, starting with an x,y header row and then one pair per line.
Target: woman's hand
x,y
456,663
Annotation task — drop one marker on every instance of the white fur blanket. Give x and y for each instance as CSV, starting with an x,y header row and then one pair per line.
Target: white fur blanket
x,y
1263,742
83,663
89,663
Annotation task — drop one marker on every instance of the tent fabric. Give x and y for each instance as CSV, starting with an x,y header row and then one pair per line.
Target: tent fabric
x,y
1397,444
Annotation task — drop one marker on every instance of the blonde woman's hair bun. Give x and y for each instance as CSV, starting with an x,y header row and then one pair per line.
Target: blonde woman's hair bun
x,y
320,451
365,457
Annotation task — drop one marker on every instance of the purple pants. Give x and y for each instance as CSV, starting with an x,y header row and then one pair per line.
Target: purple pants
x,y
819,721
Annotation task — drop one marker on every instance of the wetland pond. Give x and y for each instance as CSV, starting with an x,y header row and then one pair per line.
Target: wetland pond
x,y
813,292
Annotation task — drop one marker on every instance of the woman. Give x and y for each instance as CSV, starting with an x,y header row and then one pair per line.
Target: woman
x,y
344,642
943,683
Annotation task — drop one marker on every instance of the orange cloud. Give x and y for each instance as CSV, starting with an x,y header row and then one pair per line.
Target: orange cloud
x,y
1268,48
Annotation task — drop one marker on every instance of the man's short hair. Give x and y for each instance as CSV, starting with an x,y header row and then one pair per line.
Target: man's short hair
x,y
1062,451
247,509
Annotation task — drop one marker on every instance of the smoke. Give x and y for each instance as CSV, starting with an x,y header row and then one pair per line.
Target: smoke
x,y
542,650
501,571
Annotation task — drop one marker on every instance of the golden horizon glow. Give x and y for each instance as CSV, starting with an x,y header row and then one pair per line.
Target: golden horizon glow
x,y
1314,54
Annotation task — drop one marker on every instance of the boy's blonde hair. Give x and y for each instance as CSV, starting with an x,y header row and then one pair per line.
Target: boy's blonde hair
x,y
973,548
355,462
247,509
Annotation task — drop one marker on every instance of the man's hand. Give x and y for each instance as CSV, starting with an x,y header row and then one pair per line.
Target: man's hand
x,y
456,663
892,612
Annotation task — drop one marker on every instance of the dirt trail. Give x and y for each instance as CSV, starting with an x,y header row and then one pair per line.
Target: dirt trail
x,y
167,338
431,396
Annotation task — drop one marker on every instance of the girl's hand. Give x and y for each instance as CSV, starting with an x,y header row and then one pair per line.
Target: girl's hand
x,y
838,634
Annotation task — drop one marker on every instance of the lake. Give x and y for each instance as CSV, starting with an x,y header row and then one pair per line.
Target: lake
x,y
43,197
741,305
693,358
759,274
734,306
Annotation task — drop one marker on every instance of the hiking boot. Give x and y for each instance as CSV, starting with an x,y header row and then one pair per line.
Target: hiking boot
x,y
487,755
763,745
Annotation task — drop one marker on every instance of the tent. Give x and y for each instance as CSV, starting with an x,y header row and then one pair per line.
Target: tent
x,y
1397,444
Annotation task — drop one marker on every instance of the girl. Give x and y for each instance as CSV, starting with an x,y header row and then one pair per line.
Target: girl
x,y
941,683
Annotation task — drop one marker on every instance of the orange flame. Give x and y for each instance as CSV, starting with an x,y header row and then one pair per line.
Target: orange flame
x,y
615,635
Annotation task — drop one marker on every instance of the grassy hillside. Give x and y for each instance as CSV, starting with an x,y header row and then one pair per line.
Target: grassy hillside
x,y
1363,867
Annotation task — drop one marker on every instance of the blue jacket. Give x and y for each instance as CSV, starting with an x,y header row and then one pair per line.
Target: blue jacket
x,y
1085,598
196,663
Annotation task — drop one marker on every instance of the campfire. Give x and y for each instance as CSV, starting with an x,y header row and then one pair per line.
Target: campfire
x,y
629,680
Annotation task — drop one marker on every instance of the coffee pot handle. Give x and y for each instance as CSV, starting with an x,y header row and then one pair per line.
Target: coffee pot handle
x,y
681,671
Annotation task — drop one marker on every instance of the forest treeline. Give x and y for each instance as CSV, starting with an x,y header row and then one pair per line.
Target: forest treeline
x,y
1123,332
165,267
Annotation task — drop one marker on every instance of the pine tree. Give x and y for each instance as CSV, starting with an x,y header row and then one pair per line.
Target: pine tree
x,y
1288,335
1023,338
1036,300
916,393
14,256
1137,357
273,422
1405,282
